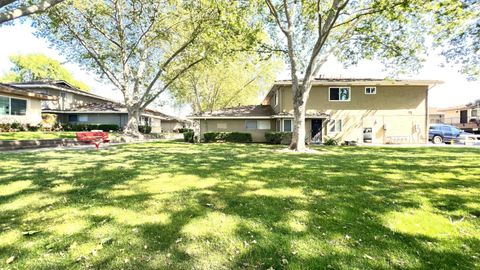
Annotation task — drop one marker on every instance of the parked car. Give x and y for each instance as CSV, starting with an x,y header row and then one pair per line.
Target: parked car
x,y
440,133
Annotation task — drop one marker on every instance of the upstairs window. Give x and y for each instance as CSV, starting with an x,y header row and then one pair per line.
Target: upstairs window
x,y
370,90
339,94
275,99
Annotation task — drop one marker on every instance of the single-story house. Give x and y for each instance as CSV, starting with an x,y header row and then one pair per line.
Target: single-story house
x,y
73,105
387,111
18,105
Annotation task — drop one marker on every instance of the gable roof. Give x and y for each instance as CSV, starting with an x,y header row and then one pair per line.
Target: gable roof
x,y
58,85
113,107
250,111
16,91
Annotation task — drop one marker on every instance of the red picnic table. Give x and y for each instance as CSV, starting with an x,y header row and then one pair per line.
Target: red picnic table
x,y
93,137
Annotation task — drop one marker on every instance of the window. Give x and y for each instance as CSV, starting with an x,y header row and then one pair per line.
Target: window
x,y
18,106
73,118
221,125
370,90
257,124
474,113
287,125
251,124
83,118
275,99
339,93
335,126
263,124
13,106
4,106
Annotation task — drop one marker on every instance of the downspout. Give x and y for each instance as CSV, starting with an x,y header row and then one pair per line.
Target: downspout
x,y
427,116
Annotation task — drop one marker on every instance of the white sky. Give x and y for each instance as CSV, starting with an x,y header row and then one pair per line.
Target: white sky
x,y
456,90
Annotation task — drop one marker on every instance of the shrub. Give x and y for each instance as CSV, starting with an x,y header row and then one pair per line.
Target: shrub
x,y
240,137
188,136
33,127
277,137
145,129
330,141
183,130
86,127
5,127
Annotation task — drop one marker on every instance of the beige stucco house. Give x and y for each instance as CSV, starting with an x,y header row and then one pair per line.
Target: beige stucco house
x,y
75,106
390,111
18,105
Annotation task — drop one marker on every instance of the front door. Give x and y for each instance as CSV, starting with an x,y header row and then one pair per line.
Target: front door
x,y
463,116
316,129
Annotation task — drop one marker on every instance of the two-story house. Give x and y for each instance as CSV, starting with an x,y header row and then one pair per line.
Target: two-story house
x,y
75,106
389,111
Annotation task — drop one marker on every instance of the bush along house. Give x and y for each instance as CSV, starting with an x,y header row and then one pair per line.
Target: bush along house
x,y
78,109
359,110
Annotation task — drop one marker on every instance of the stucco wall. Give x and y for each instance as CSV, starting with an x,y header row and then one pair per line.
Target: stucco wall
x,y
33,114
233,125
170,126
70,101
395,113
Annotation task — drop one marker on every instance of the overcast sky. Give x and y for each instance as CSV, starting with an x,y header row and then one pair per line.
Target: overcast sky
x,y
455,90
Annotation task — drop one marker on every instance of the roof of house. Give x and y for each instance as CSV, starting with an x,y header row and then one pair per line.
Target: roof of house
x,y
113,107
58,85
250,111
9,89
459,107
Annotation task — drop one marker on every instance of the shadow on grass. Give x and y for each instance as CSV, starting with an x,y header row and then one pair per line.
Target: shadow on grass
x,y
215,206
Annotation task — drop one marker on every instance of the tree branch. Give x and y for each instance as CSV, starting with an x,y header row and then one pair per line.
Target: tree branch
x,y
25,10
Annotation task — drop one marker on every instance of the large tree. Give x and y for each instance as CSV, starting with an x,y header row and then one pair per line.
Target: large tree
x,y
13,9
238,79
36,66
457,33
310,31
143,46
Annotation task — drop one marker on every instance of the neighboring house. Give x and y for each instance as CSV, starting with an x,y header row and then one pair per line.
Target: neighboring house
x,y
18,105
390,111
461,114
435,117
75,106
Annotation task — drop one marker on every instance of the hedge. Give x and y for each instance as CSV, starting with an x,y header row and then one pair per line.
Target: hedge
x,y
87,127
13,127
278,137
183,130
188,136
145,129
240,137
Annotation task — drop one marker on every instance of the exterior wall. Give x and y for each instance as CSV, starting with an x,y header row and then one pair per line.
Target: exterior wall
x,y
395,113
70,101
156,125
97,118
234,125
33,114
171,126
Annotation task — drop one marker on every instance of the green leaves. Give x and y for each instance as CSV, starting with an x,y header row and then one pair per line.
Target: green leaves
x,y
31,67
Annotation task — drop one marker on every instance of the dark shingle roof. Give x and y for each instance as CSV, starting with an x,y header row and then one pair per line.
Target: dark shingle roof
x,y
240,111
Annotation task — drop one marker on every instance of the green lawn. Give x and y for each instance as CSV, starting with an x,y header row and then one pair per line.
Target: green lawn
x,y
220,206
35,135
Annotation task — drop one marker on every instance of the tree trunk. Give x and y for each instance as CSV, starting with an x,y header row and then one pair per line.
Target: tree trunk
x,y
131,128
298,136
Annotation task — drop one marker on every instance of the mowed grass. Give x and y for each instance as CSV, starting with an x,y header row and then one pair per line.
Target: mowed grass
x,y
170,205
